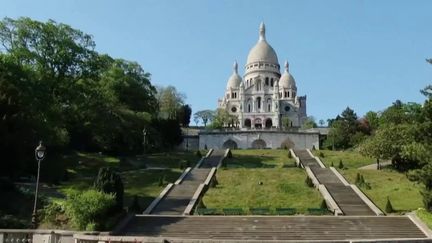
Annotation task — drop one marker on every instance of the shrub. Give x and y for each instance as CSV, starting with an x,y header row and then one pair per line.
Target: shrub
x,y
427,199
198,154
358,179
309,182
323,204
51,212
332,165
109,181
224,163
389,206
88,209
289,155
229,155
321,154
341,165
161,180
214,182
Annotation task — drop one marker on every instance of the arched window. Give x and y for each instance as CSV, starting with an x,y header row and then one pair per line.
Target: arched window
x,y
267,81
249,107
288,94
259,102
271,82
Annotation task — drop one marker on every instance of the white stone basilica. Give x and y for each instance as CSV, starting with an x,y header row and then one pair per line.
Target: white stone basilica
x,y
264,96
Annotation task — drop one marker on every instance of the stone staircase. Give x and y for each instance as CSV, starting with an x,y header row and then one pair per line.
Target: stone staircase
x,y
348,201
266,228
178,198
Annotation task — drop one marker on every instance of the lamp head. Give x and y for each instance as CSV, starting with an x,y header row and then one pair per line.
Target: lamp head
x,y
40,151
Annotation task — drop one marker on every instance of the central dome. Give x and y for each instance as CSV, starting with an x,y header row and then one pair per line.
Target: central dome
x,y
262,51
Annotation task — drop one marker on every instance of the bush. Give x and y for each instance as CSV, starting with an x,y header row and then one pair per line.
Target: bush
x,y
183,164
427,199
289,155
323,204
341,165
321,154
198,154
161,180
332,165
89,209
108,181
214,182
229,155
389,206
309,182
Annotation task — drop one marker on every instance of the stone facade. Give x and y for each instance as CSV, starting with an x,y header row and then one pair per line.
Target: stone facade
x,y
258,139
264,96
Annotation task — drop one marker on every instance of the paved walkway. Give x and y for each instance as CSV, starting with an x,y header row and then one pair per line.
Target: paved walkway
x,y
177,199
348,201
280,228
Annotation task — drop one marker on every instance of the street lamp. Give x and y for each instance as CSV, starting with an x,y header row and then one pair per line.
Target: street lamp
x,y
40,152
144,139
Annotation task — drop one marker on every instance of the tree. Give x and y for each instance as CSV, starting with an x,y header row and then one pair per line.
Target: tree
x,y
286,122
170,101
205,116
309,123
321,122
184,115
373,119
222,118
108,181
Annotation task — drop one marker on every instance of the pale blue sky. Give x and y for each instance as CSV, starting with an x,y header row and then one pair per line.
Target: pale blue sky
x,y
362,54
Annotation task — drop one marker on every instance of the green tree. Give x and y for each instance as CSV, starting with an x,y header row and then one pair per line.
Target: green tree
x,y
286,122
170,101
309,123
108,181
205,116
184,115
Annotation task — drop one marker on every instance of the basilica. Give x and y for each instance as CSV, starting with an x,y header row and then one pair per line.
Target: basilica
x,y
263,98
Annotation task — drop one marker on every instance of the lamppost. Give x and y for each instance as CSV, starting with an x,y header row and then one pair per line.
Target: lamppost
x,y
40,155
144,139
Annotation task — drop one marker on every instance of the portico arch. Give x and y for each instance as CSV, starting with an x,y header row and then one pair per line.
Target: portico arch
x,y
268,123
287,144
247,123
230,144
259,144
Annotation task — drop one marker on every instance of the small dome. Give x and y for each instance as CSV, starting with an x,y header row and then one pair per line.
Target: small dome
x,y
262,51
287,80
234,80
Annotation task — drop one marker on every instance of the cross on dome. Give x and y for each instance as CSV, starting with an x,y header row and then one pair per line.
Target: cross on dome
x,y
286,66
262,32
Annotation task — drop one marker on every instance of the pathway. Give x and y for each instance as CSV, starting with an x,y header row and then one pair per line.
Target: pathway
x,y
177,199
348,201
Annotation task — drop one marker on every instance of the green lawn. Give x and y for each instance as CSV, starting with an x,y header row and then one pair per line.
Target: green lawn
x,y
260,159
350,159
404,194
83,168
283,186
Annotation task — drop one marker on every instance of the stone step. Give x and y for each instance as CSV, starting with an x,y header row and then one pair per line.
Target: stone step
x,y
275,228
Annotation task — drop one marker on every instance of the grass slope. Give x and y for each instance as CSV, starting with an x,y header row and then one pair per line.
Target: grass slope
x,y
404,194
282,184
